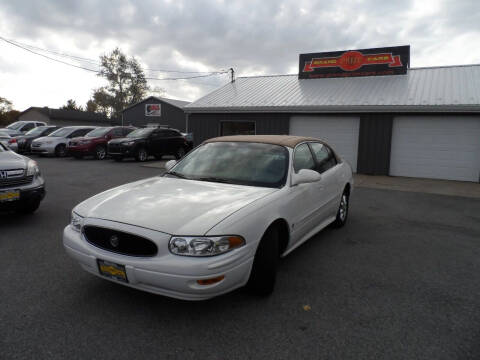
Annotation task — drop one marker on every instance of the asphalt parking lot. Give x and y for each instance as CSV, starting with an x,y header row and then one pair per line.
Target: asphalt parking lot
x,y
400,281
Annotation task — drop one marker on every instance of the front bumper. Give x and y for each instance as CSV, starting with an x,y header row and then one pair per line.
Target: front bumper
x,y
46,149
31,193
164,274
120,150
80,150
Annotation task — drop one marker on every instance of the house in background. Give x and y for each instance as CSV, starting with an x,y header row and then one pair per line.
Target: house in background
x,y
62,117
156,110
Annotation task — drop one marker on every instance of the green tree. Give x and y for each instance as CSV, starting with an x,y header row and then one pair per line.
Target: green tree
x,y
71,105
7,115
126,83
5,105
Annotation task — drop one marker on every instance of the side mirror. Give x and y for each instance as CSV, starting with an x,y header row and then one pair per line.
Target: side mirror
x,y
170,164
305,176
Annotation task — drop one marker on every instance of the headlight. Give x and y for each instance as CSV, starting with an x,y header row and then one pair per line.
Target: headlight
x,y
204,246
76,222
32,168
128,143
85,142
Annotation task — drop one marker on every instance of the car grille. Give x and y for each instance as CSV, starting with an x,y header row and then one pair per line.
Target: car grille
x,y
16,181
119,242
36,144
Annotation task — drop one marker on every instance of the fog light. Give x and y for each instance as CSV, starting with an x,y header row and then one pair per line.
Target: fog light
x,y
211,281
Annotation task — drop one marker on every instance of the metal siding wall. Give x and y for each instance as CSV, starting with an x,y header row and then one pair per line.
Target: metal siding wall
x,y
374,145
206,126
171,116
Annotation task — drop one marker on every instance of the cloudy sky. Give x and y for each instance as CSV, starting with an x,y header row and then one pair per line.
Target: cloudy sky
x,y
253,37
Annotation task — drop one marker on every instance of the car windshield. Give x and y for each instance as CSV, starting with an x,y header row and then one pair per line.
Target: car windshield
x,y
98,132
140,133
242,163
36,131
61,132
16,125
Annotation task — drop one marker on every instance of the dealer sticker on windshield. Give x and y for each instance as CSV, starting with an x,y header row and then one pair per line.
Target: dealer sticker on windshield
x,y
9,195
112,270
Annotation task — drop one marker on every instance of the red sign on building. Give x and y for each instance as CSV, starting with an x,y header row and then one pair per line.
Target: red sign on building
x,y
366,62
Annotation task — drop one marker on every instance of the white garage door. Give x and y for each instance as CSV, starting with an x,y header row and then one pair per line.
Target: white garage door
x,y
436,147
338,131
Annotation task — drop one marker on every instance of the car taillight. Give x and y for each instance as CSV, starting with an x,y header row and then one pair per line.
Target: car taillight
x,y
12,141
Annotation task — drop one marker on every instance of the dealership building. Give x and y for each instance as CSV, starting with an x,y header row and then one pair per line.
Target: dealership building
x,y
155,110
383,117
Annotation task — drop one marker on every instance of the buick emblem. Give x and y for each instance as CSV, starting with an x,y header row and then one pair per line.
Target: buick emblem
x,y
3,174
114,241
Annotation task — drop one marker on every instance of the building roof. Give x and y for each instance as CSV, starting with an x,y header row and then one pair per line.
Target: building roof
x,y
64,114
432,89
284,140
177,103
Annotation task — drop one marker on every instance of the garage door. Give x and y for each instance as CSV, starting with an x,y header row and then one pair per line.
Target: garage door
x,y
338,131
436,147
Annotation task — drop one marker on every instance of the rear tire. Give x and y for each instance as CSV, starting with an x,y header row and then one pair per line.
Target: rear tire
x,y
264,268
100,152
141,154
61,150
342,212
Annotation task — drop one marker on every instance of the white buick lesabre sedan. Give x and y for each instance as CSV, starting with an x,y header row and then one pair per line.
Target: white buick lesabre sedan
x,y
217,220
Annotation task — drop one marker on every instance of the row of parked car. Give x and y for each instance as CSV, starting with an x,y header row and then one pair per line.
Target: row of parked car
x,y
118,142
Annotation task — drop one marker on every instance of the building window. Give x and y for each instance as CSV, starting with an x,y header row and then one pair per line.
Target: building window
x,y
237,128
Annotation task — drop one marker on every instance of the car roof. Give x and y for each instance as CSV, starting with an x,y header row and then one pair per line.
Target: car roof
x,y
283,140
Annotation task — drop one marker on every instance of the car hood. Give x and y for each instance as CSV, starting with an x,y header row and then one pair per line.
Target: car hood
x,y
10,160
171,205
53,139
120,140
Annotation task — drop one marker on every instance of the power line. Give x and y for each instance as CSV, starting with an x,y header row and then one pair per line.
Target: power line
x,y
47,57
26,48
95,62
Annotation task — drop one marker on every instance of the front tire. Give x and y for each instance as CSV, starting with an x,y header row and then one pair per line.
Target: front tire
x,y
264,268
141,154
342,212
180,153
29,207
100,152
61,150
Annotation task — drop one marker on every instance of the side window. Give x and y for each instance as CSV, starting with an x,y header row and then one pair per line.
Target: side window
x,y
48,131
84,131
127,131
324,157
40,124
28,127
117,132
303,159
172,133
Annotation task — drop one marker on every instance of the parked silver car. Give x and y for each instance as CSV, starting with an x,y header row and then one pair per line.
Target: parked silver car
x,y
56,142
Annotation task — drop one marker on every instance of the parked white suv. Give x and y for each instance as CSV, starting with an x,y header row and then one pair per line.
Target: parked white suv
x,y
21,127
56,142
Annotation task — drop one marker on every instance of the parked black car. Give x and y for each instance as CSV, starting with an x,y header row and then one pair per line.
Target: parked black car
x,y
25,141
22,187
144,142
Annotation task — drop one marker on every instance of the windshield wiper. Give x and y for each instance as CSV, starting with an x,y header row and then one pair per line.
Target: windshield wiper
x,y
214,179
177,175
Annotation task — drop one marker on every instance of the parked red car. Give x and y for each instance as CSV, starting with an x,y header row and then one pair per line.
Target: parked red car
x,y
95,142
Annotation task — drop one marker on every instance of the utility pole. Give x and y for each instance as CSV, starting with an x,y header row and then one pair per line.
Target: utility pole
x,y
232,74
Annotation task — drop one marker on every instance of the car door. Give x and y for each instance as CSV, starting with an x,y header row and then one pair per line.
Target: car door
x,y
306,199
156,143
327,167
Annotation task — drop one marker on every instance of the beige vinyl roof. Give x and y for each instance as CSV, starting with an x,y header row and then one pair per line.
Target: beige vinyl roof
x,y
283,140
